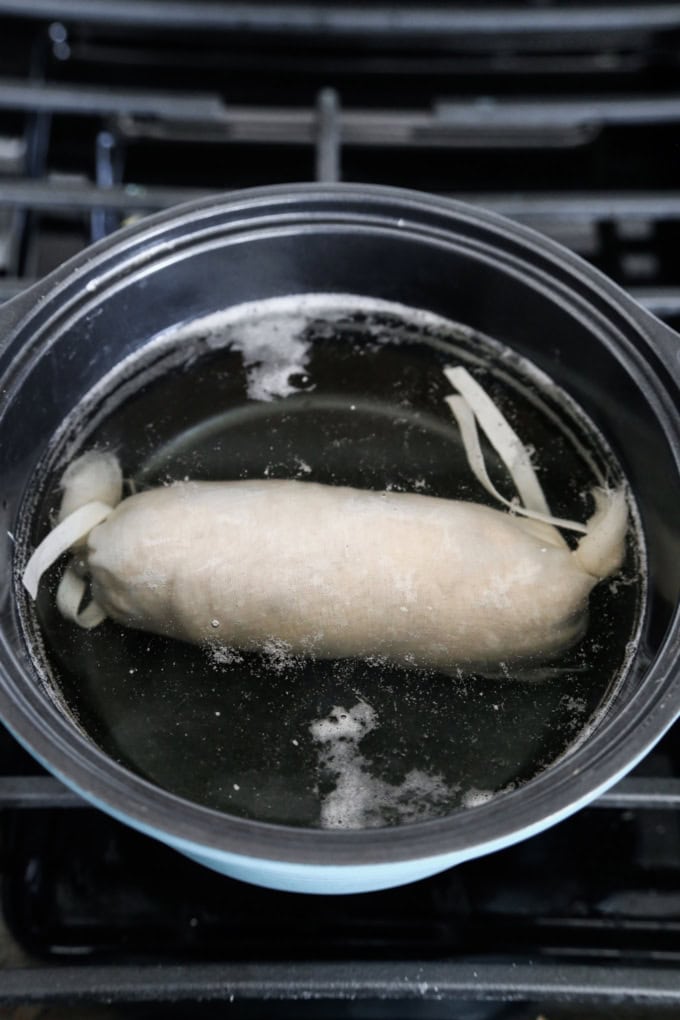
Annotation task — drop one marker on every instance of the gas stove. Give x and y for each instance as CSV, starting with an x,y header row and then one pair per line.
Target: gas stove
x,y
565,118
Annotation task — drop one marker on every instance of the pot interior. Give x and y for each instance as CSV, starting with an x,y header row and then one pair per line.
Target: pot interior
x,y
490,297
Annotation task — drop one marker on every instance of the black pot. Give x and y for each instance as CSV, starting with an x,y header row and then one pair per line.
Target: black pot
x,y
65,333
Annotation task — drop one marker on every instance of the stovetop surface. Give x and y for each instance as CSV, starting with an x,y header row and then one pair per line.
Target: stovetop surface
x,y
565,118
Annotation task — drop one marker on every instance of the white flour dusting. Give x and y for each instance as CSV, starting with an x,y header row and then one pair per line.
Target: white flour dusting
x,y
359,799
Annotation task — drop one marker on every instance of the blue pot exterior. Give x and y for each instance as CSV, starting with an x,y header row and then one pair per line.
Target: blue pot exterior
x,y
329,880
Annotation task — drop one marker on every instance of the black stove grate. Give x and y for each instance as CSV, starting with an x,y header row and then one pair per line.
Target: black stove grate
x,y
563,117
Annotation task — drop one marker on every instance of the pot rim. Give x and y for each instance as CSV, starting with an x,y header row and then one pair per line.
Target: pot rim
x,y
615,745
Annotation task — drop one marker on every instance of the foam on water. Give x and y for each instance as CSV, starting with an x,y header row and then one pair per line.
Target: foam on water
x,y
270,337
361,800
475,798
272,352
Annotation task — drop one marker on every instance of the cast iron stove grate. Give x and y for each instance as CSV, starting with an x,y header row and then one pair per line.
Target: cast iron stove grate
x,y
563,117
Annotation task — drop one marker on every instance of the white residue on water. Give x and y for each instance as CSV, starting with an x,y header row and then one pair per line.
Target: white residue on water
x,y
279,655
359,799
475,798
223,655
270,334
273,350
